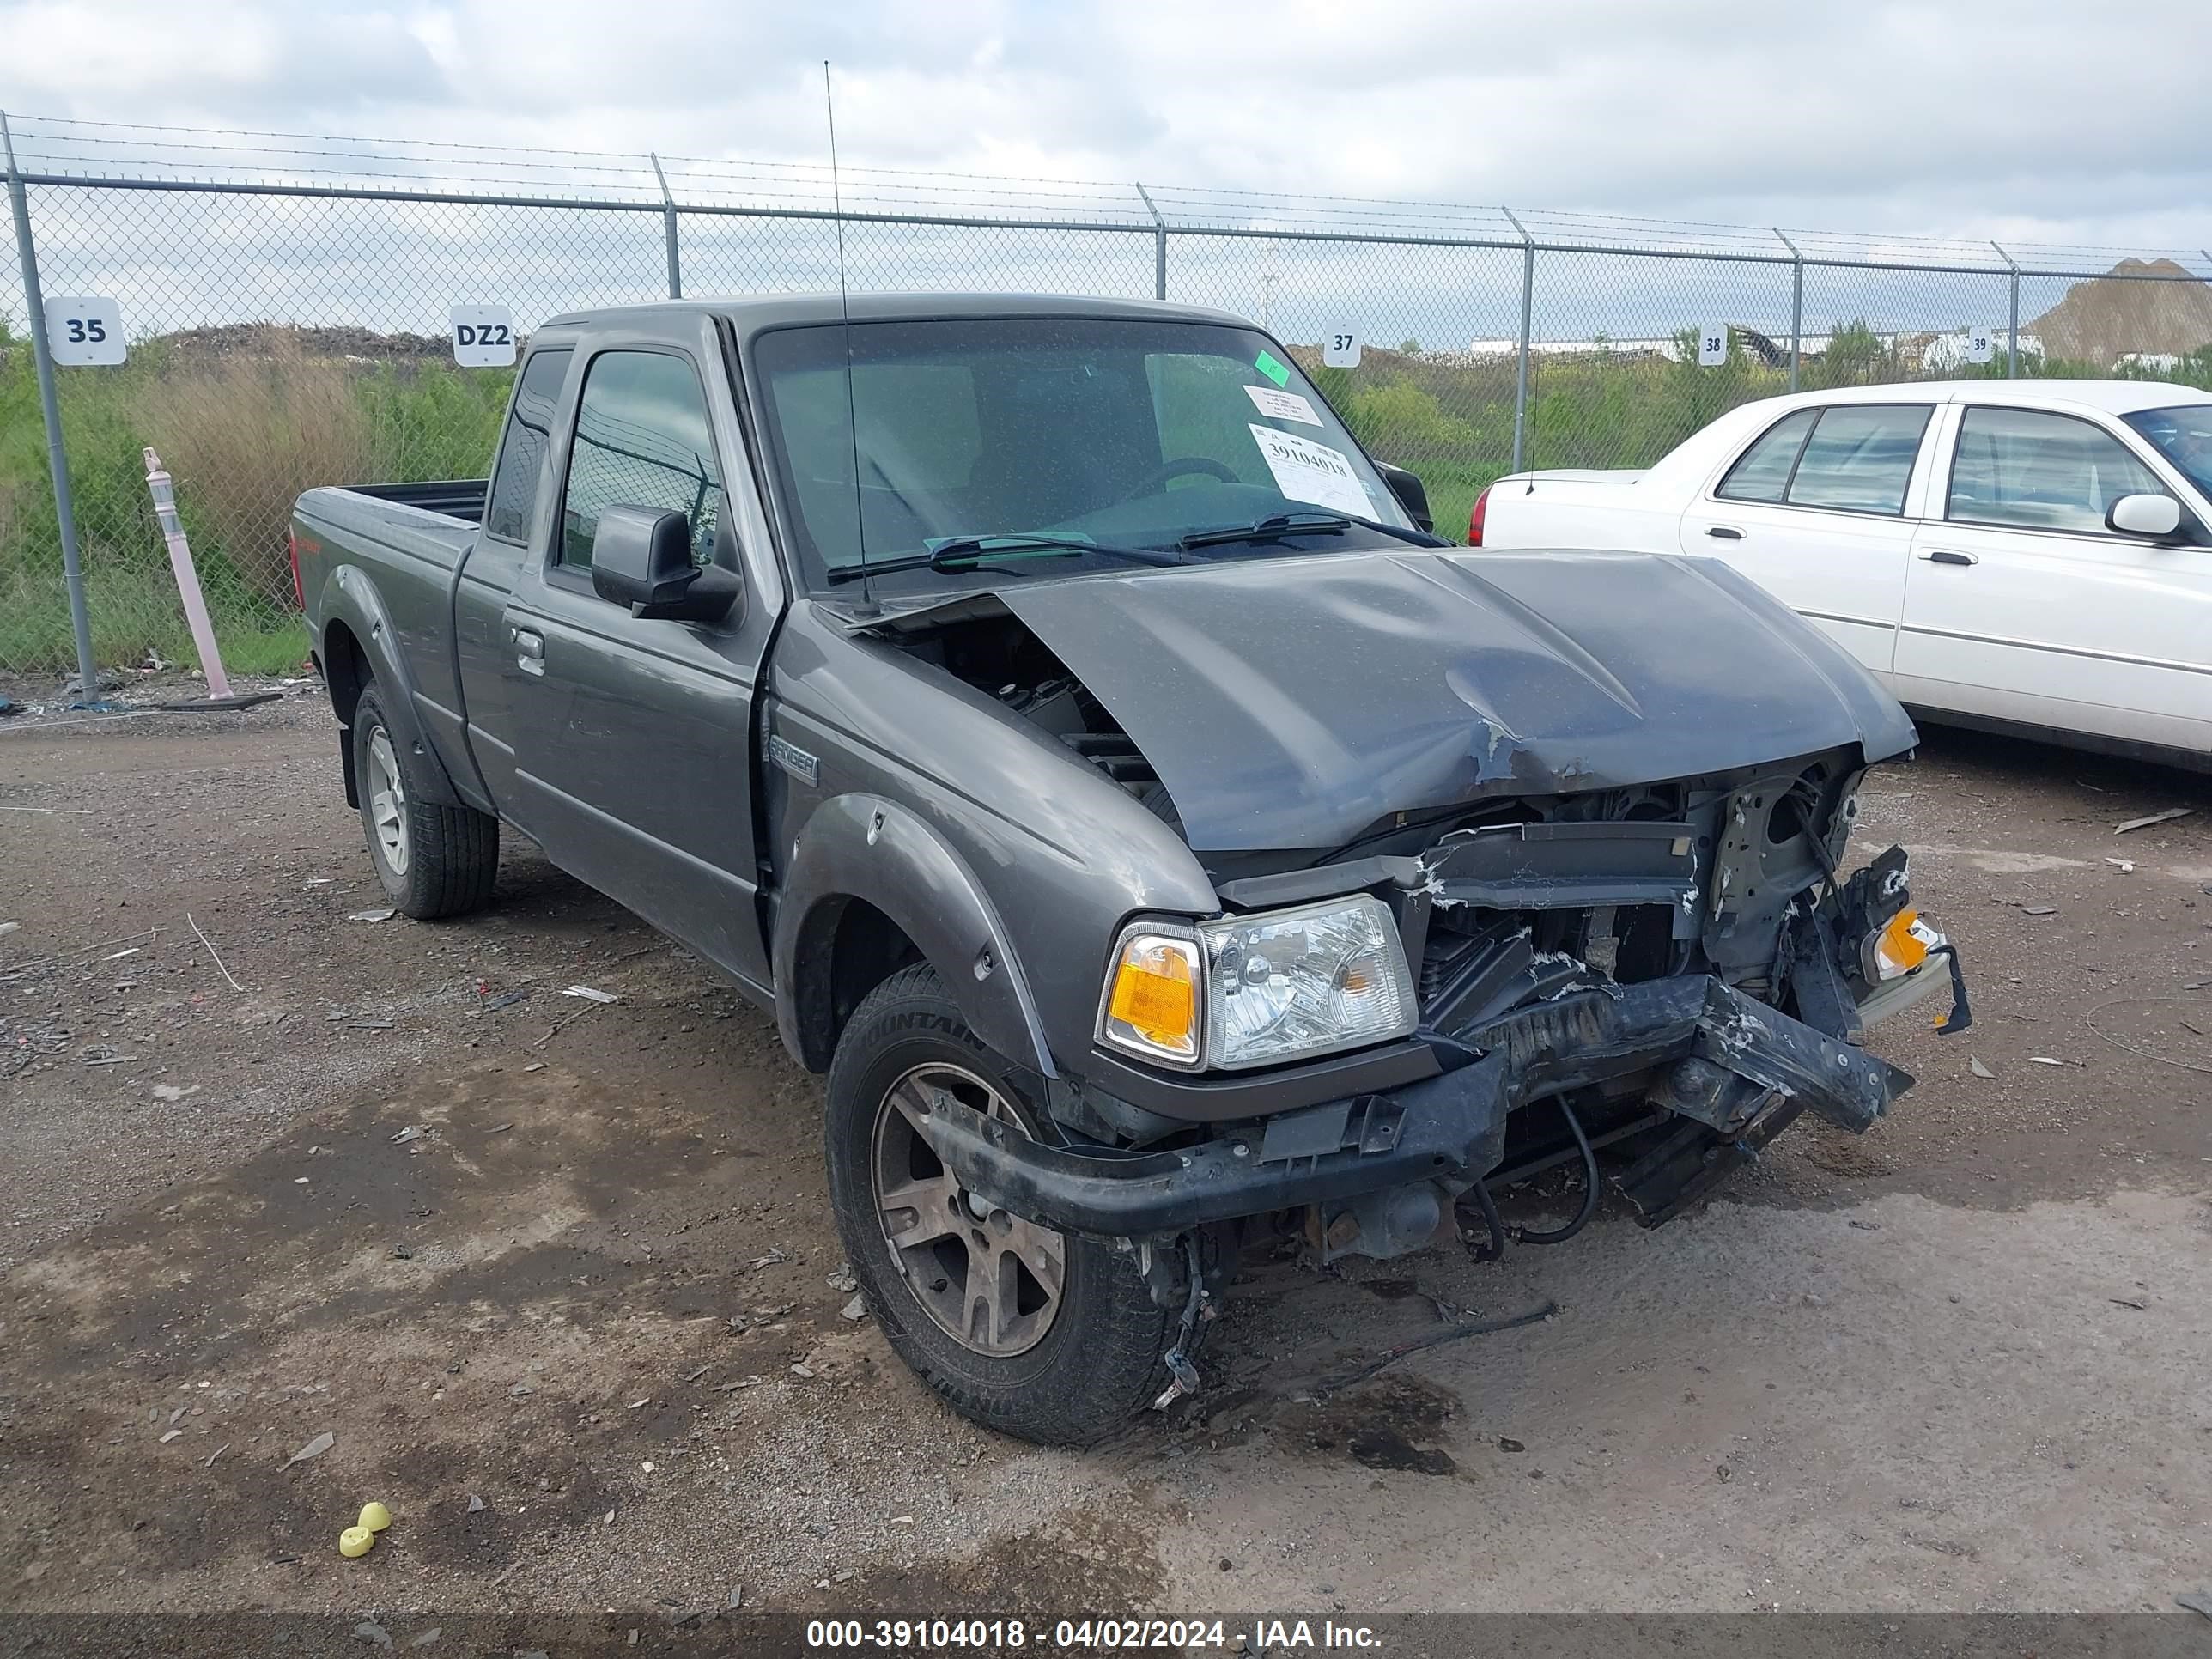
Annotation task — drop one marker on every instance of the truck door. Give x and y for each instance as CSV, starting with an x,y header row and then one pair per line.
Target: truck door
x,y
634,738
516,514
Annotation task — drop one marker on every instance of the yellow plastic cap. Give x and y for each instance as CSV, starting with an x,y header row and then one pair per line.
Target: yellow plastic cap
x,y
356,1541
375,1516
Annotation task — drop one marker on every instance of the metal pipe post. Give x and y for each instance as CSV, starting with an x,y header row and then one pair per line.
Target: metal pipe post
x,y
1797,306
668,222
56,457
1528,317
2012,322
1159,244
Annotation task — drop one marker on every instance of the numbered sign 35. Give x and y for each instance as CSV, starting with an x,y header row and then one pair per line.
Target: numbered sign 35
x,y
483,336
85,330
1712,345
1340,348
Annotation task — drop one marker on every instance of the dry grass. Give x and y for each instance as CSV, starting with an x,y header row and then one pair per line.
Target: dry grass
x,y
252,429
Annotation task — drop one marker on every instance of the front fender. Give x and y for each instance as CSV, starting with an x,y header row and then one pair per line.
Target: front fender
x,y
865,847
350,598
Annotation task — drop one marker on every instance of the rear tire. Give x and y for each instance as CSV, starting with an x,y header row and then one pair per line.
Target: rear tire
x,y
432,860
967,1300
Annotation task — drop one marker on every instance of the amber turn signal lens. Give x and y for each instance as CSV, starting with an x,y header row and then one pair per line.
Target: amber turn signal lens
x,y
1155,995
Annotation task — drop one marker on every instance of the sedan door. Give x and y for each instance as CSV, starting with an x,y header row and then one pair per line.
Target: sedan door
x,y
1815,510
2023,605
634,737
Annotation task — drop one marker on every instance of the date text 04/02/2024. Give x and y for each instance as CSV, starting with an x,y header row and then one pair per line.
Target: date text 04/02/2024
x,y
1088,1635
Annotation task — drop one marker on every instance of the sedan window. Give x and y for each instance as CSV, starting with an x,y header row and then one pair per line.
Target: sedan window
x,y
1763,474
2045,471
1860,458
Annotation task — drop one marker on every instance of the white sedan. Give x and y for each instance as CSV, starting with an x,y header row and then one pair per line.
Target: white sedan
x,y
2027,555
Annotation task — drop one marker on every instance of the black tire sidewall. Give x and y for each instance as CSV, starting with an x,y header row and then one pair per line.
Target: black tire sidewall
x,y
1106,1337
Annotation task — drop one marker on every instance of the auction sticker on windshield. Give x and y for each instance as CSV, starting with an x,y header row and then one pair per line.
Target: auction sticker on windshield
x,y
1307,472
1282,406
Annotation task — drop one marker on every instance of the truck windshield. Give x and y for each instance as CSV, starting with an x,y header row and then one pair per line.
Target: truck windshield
x,y
1133,434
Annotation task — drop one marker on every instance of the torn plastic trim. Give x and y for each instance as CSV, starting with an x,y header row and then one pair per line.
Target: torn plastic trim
x,y
1450,1128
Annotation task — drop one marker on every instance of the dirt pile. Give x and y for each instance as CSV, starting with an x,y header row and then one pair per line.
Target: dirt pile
x,y
2141,305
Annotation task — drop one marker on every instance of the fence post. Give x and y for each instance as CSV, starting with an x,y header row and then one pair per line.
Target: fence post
x,y
1159,244
56,457
1797,306
1528,316
668,220
2011,320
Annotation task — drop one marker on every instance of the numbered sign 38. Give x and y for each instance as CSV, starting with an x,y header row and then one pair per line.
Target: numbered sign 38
x,y
86,329
1340,347
483,336
1712,345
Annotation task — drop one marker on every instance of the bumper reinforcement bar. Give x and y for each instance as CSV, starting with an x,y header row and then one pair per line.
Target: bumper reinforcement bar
x,y
1449,1128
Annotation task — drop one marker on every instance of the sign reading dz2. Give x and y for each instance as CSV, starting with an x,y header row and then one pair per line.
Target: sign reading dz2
x,y
483,336
85,330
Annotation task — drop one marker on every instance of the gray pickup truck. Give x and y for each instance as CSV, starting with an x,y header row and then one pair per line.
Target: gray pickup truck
x,y
1163,842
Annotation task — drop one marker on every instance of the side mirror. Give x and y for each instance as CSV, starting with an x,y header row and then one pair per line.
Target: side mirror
x,y
2144,515
1411,495
642,557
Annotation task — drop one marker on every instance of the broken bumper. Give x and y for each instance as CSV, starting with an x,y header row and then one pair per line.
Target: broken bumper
x,y
1720,1057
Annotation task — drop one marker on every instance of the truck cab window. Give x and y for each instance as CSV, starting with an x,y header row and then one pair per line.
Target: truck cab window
x,y
642,439
522,452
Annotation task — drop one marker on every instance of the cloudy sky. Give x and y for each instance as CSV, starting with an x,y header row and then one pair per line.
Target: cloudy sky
x,y
2061,122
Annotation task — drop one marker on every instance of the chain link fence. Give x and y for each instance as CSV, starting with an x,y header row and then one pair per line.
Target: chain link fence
x,y
285,301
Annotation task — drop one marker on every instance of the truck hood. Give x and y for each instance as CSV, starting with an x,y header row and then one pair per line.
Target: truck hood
x,y
1295,703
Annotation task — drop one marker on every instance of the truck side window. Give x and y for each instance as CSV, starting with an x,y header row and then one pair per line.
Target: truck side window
x,y
642,439
522,453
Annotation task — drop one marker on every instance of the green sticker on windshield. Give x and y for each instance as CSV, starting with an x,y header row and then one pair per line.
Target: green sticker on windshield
x,y
1266,364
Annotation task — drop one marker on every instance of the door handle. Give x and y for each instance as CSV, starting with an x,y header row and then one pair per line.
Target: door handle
x,y
1947,555
529,649
1727,532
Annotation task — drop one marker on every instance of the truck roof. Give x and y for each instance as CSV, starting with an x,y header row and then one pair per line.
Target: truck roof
x,y
751,313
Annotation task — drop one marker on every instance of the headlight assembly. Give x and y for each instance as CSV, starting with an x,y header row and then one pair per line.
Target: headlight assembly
x,y
1278,986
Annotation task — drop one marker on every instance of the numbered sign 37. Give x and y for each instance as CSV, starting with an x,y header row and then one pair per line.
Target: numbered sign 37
x,y
483,336
1340,348
85,330
1712,345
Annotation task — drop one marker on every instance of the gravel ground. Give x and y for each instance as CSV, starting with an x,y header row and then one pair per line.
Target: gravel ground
x,y
558,1278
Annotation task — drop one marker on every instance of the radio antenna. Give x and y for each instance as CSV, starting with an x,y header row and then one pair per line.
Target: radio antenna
x,y
867,606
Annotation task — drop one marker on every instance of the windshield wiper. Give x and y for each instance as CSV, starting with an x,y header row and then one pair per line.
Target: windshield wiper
x,y
1277,525
1267,529
962,553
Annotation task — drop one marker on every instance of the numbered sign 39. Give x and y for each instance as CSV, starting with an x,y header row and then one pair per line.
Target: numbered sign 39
x,y
86,329
483,336
1980,346
1712,345
1340,348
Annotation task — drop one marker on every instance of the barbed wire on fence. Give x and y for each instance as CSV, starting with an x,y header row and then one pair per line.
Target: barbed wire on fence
x,y
286,296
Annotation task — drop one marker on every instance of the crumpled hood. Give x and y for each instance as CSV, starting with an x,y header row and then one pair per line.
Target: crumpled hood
x,y
1292,704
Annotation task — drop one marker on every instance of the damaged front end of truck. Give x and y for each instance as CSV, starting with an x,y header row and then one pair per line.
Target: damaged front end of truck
x,y
1578,878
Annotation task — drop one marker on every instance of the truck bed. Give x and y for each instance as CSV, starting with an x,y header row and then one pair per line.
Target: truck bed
x,y
454,498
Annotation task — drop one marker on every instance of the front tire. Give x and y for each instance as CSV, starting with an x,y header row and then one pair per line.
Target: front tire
x,y
1043,1335
432,860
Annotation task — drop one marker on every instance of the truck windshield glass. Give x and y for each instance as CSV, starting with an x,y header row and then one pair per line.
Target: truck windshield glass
x,y
1131,433
2184,436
